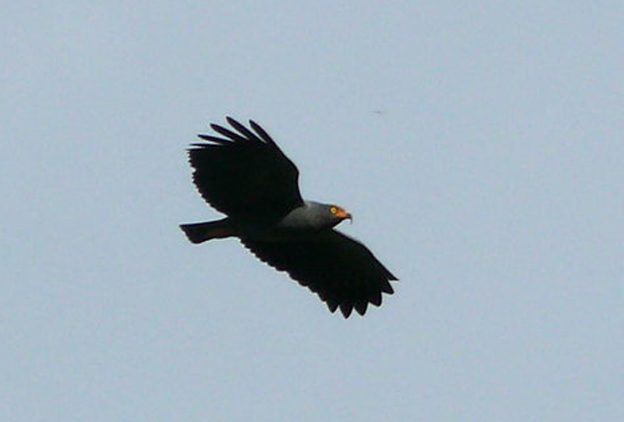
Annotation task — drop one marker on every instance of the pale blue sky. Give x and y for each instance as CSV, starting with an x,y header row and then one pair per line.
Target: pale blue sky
x,y
478,145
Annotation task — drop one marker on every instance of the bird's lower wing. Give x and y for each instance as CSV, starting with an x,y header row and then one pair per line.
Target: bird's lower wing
x,y
341,270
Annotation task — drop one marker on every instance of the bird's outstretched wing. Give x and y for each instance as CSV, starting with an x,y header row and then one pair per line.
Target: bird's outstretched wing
x,y
341,270
244,174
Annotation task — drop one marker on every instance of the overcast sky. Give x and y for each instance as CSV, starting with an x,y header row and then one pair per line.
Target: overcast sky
x,y
477,144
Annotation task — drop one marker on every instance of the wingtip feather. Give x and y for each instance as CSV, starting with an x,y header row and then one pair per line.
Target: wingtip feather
x,y
262,133
346,309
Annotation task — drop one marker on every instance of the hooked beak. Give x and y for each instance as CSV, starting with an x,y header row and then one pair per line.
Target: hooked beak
x,y
343,215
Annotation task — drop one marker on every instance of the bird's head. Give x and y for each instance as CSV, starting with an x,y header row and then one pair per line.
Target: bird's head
x,y
338,214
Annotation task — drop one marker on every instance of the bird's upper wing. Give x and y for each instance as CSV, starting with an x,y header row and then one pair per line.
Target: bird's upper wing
x,y
244,174
341,270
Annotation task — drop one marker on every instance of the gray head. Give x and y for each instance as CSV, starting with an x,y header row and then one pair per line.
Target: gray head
x,y
335,214
315,215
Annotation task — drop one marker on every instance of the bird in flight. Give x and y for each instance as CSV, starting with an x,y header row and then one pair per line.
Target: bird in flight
x,y
244,174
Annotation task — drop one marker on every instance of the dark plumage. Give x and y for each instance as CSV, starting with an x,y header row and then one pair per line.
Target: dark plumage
x,y
246,176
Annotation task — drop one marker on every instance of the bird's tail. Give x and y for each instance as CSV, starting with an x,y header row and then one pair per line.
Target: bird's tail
x,y
201,232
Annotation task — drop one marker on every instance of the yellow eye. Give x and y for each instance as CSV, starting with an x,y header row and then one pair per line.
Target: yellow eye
x,y
333,210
